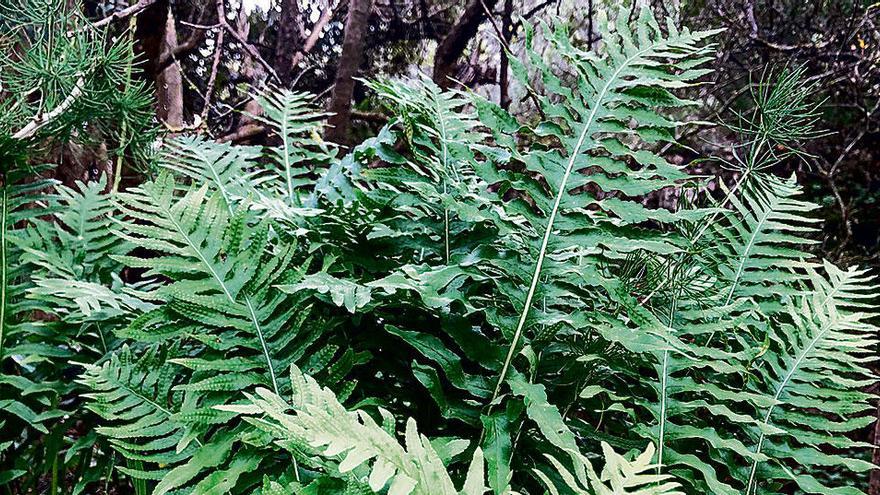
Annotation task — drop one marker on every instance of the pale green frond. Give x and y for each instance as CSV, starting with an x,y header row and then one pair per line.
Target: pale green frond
x,y
619,476
353,439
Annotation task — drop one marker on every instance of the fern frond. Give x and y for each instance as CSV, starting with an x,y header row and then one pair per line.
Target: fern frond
x,y
765,244
323,424
295,119
626,85
182,231
137,399
439,193
17,197
619,476
225,166
818,352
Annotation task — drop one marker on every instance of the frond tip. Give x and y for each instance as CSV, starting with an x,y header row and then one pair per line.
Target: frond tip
x,y
620,476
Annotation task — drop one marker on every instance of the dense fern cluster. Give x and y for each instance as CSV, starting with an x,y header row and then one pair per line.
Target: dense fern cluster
x,y
462,304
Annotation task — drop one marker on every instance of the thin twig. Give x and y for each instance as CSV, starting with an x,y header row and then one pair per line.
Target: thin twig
x,y
531,92
218,49
203,27
115,16
315,35
248,131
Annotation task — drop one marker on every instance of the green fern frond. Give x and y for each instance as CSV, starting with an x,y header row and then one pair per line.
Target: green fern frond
x,y
225,166
437,189
818,352
295,119
627,85
137,399
766,241
216,282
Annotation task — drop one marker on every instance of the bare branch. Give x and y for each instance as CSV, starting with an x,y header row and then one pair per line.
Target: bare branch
x,y
315,35
41,120
121,14
212,79
221,18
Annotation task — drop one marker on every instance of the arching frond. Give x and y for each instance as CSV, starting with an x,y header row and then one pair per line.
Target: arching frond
x,y
817,353
599,126
226,167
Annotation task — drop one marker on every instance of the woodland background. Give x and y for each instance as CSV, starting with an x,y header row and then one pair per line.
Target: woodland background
x,y
202,57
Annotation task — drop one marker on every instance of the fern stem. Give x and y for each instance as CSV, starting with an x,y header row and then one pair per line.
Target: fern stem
x,y
287,165
664,372
259,329
3,274
660,439
53,489
542,253
445,162
446,232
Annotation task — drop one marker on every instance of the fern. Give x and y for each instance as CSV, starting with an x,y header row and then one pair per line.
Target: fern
x,y
16,206
295,120
323,424
505,285
223,165
765,238
618,477
817,353
628,83
220,308
62,271
441,135
181,229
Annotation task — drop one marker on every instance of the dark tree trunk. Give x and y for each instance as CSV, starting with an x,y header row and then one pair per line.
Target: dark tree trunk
x,y
290,38
453,45
507,30
349,62
253,71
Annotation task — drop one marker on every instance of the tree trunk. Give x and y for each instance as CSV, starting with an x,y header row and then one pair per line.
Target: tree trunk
x,y
290,35
251,70
453,45
169,83
349,62
507,31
